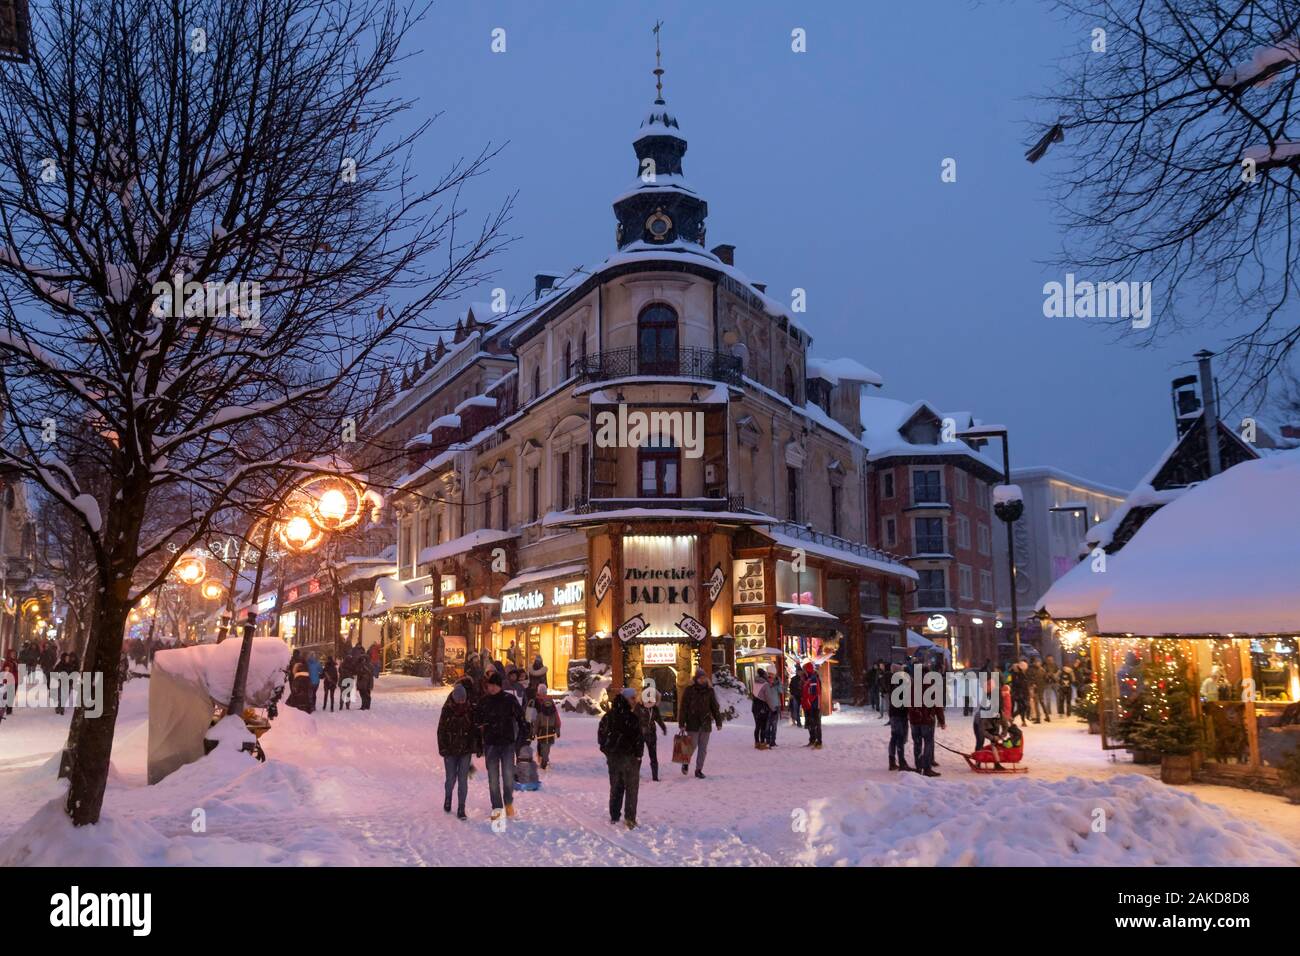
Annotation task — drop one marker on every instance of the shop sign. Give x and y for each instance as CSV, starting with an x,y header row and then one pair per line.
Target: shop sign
x,y
603,581
631,628
454,599
517,601
266,604
749,581
291,596
313,586
661,579
655,654
448,583
717,580
570,593
750,633
936,624
693,628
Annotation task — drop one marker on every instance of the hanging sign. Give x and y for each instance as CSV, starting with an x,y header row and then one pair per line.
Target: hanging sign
x,y
936,624
653,654
693,628
717,581
632,627
603,581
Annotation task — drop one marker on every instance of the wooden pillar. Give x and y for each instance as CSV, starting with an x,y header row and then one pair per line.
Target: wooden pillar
x,y
616,608
1248,701
857,642
703,547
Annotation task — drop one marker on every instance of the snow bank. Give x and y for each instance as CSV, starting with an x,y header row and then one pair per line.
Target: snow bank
x,y
912,821
212,667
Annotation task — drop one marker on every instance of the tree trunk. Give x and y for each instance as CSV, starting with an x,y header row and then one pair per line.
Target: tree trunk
x,y
92,743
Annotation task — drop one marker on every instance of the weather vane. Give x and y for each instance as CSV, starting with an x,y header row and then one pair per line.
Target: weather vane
x,y
659,70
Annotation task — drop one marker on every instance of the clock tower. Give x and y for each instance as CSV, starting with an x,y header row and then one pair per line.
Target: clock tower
x,y
659,208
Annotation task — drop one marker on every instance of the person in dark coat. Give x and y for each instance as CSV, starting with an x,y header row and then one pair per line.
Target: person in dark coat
x,y
796,698
812,704
922,718
899,695
500,720
621,741
1064,691
760,709
546,724
458,741
365,683
1037,688
63,688
697,712
536,675
347,680
49,656
472,687
330,677
299,686
647,711
1020,691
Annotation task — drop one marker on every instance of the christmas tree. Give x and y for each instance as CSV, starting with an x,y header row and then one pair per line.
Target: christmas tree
x,y
1160,719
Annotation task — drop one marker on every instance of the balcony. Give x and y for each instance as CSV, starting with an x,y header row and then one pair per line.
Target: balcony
x,y
597,505
925,500
805,533
683,363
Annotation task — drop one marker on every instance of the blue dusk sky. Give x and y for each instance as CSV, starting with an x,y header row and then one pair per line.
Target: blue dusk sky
x,y
823,169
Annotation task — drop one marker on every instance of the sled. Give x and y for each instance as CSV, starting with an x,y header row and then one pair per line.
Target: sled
x,y
985,760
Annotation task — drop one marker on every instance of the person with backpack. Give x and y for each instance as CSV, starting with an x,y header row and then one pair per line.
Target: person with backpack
x,y
699,709
500,720
812,704
458,741
647,712
620,740
796,698
546,724
760,709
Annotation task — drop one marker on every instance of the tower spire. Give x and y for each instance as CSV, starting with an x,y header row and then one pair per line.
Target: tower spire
x,y
659,69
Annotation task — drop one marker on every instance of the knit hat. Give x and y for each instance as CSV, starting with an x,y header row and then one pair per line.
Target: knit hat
x,y
458,694
808,666
629,693
699,672
494,678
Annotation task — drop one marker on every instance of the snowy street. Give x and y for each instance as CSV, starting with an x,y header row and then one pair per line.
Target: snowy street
x,y
365,788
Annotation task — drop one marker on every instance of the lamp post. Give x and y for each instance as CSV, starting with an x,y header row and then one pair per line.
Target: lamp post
x,y
1009,511
309,511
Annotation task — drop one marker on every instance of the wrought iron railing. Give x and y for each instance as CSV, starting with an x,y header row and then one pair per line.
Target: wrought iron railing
x,y
595,505
805,533
684,363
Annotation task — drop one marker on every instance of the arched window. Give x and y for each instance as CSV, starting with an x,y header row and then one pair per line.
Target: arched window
x,y
790,392
657,341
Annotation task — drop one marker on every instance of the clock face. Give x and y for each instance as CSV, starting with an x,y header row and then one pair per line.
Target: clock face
x,y
659,226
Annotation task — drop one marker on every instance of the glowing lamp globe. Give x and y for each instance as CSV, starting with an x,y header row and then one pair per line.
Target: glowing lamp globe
x,y
298,532
333,506
191,570
212,590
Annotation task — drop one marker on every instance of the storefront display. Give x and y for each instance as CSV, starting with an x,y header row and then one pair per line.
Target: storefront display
x,y
544,614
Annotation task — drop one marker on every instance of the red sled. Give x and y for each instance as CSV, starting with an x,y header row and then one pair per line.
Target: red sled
x,y
985,761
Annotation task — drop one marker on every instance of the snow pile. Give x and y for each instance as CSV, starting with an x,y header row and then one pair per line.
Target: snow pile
x,y
1005,494
1264,61
911,821
846,369
212,667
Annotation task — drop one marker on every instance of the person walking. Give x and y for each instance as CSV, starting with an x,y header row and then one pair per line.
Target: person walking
x,y
537,675
501,722
458,741
330,677
313,674
347,680
9,684
365,682
63,687
923,719
898,698
647,712
760,709
546,724
1037,678
796,698
1064,691
620,740
49,656
376,661
697,711
773,693
1020,691
812,704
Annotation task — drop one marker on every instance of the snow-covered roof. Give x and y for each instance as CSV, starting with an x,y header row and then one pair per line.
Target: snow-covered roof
x,y
884,418
1052,473
1223,558
826,550
662,182
1143,494
842,369
578,569
466,542
659,121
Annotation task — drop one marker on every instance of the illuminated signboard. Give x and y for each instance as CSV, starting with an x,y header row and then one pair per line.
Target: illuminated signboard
x,y
659,654
454,599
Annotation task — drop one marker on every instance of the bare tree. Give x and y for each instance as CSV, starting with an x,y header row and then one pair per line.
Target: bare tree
x,y
247,152
1183,152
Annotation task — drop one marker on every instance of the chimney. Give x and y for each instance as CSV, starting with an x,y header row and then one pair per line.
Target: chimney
x,y
543,282
1209,399
726,253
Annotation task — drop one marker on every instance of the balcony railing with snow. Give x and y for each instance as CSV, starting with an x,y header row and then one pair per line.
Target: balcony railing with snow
x,y
684,363
593,505
805,533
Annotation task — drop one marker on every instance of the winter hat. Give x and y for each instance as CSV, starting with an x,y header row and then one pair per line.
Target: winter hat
x,y
699,672
808,666
458,694
494,678
629,694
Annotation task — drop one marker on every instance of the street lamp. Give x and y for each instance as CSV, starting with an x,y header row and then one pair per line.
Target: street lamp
x,y
1009,511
